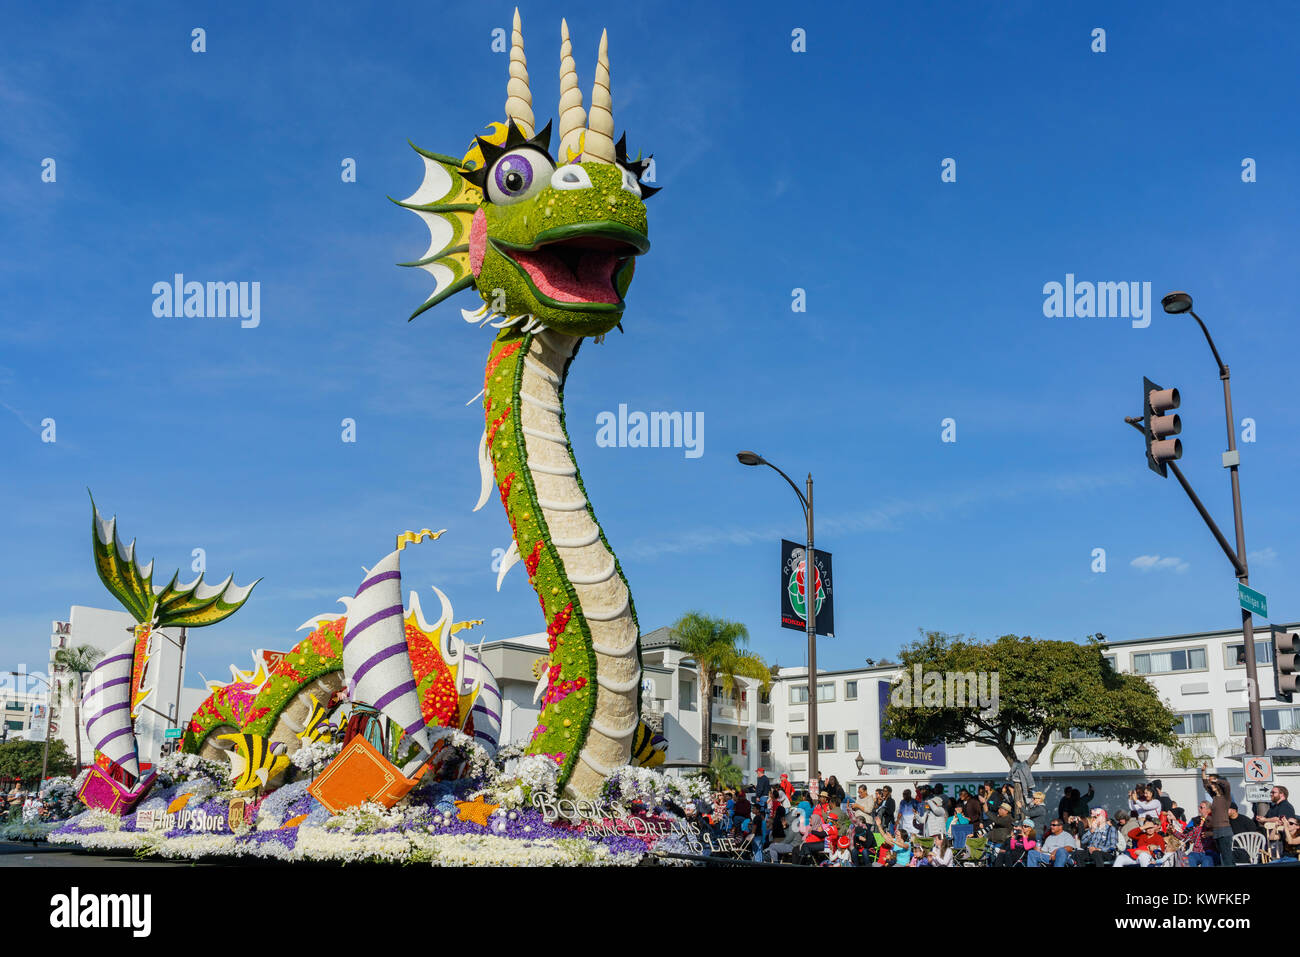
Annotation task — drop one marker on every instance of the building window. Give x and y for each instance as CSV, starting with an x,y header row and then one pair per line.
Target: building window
x,y
1275,719
1110,660
686,694
1164,662
720,743
1234,656
765,746
850,691
18,726
799,692
798,744
1078,735
850,741
1194,722
826,742
15,706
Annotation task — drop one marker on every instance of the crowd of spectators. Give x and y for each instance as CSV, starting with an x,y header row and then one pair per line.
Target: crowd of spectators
x,y
994,825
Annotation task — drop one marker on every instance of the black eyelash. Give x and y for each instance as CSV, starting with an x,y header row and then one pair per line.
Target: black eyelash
x,y
636,167
515,139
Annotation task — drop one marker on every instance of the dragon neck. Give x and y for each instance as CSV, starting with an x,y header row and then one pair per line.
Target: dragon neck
x,y
592,702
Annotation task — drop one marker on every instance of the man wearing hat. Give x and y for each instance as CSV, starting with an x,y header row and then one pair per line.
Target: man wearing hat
x,y
1144,849
999,831
1098,843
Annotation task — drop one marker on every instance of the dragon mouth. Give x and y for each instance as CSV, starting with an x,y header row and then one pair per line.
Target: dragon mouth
x,y
579,265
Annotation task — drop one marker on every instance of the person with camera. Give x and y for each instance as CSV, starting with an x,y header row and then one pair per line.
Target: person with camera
x,y
1142,802
1099,844
1019,846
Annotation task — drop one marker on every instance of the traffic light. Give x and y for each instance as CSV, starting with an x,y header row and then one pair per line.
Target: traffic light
x,y
1285,646
1158,427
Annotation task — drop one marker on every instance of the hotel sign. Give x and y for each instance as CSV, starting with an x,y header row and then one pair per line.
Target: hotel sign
x,y
898,751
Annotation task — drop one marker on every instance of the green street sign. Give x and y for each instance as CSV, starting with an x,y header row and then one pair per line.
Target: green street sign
x,y
173,732
1252,601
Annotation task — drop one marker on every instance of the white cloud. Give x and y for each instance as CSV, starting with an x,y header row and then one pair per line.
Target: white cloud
x,y
1265,556
1146,563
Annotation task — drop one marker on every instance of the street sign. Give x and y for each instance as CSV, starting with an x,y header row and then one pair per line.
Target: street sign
x,y
1258,770
1258,793
173,732
1252,601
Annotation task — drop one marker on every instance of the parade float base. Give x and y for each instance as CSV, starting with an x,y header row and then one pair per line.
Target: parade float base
x,y
445,824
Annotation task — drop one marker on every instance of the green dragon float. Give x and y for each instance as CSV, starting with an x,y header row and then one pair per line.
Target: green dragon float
x,y
549,243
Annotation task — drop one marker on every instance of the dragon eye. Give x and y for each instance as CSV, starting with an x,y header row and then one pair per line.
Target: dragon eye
x,y
517,175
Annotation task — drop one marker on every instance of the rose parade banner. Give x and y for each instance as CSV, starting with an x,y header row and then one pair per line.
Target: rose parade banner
x,y
793,604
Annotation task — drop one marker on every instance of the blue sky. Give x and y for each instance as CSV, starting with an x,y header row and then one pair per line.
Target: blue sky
x,y
817,170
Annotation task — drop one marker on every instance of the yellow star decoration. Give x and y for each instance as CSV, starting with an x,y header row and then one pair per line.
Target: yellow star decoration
x,y
477,810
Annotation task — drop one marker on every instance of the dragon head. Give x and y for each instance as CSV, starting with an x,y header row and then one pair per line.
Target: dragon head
x,y
547,240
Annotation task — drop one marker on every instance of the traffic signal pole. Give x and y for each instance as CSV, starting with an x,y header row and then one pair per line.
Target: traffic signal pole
x,y
1175,304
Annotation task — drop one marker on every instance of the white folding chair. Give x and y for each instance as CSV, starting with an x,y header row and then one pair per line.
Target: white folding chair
x,y
1252,842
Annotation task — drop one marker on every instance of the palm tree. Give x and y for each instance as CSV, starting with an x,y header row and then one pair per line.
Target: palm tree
x,y
1100,760
78,662
714,644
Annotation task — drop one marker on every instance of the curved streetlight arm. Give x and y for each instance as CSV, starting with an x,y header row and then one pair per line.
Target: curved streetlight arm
x,y
1223,369
802,499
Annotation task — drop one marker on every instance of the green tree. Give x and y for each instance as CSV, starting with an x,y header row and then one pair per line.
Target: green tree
x,y
77,662
22,760
723,773
715,643
1043,687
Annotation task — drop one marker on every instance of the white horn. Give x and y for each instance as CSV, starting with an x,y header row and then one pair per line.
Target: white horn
x,y
519,99
573,118
599,146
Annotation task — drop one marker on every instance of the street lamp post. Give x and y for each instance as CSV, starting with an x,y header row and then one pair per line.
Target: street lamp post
x,y
810,601
1177,303
1143,753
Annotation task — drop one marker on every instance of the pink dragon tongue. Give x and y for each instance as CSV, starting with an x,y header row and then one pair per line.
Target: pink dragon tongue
x,y
592,282
477,241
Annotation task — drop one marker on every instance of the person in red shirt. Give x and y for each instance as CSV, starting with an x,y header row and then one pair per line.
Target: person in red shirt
x,y
1146,845
787,787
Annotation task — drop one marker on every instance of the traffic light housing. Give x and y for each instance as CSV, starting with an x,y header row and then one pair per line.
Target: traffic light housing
x,y
1286,644
1159,427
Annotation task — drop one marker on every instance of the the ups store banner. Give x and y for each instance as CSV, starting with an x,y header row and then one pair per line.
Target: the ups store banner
x,y
794,590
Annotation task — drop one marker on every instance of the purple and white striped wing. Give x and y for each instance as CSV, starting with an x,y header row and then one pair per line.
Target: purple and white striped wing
x,y
376,662
487,703
106,703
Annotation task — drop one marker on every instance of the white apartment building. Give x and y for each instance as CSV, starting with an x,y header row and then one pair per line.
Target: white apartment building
x,y
22,707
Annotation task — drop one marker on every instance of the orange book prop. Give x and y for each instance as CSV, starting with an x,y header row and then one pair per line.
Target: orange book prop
x,y
358,774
